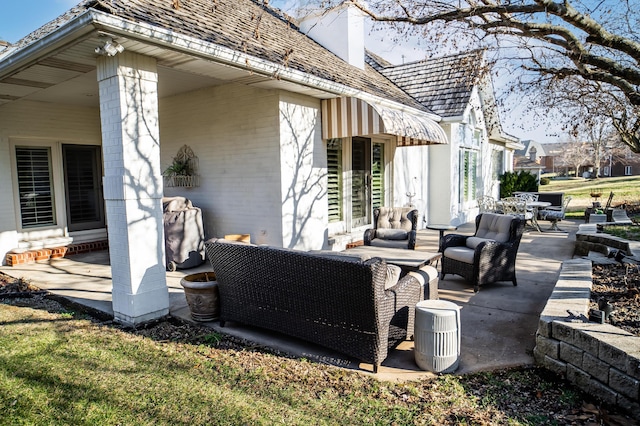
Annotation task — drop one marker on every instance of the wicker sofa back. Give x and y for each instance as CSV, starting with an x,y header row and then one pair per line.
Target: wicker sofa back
x,y
339,303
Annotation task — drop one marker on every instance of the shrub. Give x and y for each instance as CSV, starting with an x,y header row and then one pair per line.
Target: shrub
x,y
511,182
544,181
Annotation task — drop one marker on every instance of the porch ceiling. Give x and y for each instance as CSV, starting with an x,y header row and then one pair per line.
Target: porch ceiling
x,y
69,76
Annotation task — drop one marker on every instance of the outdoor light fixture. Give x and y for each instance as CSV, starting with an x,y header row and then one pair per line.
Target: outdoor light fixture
x,y
110,48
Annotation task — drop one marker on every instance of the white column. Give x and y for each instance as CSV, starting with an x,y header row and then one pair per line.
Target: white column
x,y
133,186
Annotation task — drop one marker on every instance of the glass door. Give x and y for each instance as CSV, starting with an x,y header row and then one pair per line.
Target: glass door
x,y
360,182
83,189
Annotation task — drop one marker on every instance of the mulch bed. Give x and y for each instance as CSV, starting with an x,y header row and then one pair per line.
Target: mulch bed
x,y
619,285
12,287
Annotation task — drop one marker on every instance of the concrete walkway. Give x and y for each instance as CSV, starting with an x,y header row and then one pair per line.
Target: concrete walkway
x,y
498,324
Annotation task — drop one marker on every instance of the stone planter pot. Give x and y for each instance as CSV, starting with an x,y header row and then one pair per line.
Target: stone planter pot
x,y
201,292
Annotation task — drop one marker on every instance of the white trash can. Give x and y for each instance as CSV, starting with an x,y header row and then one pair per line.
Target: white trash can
x,y
437,336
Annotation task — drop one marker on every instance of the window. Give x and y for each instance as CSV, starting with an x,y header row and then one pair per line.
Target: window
x,y
468,165
35,186
377,175
606,171
497,164
627,170
334,175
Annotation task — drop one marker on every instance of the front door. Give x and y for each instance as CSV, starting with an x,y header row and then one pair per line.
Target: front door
x,y
361,182
83,189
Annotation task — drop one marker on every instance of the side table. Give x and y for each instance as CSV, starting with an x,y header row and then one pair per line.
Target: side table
x,y
441,229
437,336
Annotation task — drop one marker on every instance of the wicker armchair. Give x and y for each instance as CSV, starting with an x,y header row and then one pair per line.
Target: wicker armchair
x,y
487,256
344,303
394,227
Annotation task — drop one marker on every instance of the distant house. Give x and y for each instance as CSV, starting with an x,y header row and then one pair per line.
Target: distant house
x,y
548,158
627,165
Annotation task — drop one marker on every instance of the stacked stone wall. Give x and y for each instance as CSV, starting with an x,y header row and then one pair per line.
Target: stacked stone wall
x,y
600,359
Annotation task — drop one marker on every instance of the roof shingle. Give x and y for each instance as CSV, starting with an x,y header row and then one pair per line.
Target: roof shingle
x,y
246,26
443,85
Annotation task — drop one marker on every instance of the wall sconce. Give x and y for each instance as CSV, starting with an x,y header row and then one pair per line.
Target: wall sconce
x,y
110,48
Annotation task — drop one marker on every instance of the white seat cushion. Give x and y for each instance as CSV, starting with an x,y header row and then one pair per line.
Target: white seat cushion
x,y
459,253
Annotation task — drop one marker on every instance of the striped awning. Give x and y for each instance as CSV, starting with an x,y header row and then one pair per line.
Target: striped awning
x,y
347,116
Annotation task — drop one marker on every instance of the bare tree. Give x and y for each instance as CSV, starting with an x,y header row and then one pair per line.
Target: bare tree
x,y
548,42
576,154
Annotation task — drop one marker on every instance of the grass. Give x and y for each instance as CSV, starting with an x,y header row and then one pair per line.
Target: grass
x,y
57,367
625,189
624,231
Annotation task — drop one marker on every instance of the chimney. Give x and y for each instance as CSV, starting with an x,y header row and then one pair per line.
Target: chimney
x,y
340,30
533,154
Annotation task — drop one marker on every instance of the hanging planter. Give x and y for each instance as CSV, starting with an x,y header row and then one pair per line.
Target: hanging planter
x,y
183,171
201,292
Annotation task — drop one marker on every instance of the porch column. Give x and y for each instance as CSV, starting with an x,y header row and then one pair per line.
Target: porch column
x,y
133,186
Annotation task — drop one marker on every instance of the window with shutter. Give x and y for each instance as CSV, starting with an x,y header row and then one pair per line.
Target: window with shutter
x,y
35,186
468,175
377,175
497,164
334,178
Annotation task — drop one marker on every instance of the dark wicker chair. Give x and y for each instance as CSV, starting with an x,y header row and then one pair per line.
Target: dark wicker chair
x,y
394,227
337,302
487,256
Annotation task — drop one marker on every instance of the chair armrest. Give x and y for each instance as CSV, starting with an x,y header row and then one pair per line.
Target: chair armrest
x,y
412,240
406,285
488,251
454,240
369,234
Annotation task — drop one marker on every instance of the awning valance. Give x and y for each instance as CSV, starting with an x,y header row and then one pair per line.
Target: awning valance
x,y
347,116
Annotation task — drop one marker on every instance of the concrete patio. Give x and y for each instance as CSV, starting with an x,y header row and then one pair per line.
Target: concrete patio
x,y
498,324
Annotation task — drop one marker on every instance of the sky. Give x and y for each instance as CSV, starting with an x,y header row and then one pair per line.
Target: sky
x,y
20,17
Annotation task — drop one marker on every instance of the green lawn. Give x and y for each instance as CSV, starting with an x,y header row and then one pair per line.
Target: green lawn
x,y
625,189
60,368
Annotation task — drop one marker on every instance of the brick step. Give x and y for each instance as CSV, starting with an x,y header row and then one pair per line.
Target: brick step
x,y
38,255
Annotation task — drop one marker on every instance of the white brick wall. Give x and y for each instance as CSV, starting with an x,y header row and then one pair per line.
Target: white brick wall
x,y
233,130
303,167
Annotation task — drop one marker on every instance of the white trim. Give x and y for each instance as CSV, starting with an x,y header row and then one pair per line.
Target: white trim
x,y
59,227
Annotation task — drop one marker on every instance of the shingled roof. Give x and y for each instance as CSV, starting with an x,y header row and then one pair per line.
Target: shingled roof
x,y
443,85
246,26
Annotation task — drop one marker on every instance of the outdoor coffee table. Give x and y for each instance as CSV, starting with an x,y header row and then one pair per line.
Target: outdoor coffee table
x,y
535,206
408,260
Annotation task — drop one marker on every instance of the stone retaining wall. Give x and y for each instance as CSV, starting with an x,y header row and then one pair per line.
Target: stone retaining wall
x,y
600,359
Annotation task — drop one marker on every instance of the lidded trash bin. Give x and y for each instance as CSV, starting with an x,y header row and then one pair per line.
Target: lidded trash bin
x,y
437,336
183,233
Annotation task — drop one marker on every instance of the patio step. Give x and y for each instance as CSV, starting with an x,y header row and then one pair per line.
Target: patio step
x,y
21,257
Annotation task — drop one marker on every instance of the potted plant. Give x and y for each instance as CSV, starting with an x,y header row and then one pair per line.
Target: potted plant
x,y
183,171
201,292
179,172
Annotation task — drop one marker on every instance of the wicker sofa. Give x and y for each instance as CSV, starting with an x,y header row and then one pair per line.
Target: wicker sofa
x,y
336,301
